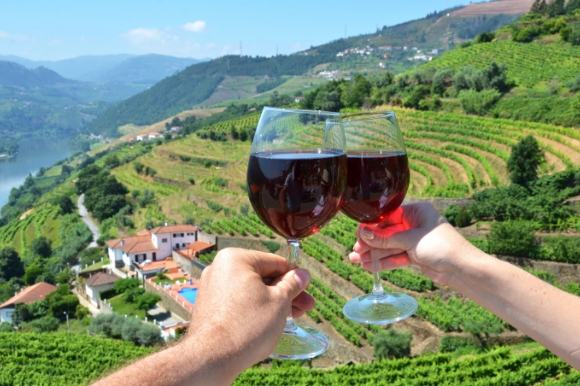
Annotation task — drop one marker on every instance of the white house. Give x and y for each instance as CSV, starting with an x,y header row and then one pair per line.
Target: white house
x,y
150,245
98,283
171,331
28,295
141,137
174,129
154,135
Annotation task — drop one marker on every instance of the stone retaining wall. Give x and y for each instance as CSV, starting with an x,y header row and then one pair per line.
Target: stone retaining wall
x,y
169,303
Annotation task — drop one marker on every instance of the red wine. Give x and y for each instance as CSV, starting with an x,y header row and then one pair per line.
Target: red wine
x,y
376,184
296,193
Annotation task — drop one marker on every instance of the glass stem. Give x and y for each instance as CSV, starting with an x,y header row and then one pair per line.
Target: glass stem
x,y
378,289
294,246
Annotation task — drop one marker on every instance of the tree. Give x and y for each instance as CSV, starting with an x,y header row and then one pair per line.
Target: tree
x,y
513,238
125,284
149,335
147,301
66,205
45,324
108,206
132,294
130,330
138,166
32,272
556,8
392,344
146,198
6,327
10,264
536,7
41,246
572,6
457,216
524,161
356,92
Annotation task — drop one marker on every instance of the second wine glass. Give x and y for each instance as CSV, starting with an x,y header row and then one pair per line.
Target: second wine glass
x,y
378,179
296,180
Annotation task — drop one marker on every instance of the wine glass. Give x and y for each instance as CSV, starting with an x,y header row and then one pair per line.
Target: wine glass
x,y
296,180
377,181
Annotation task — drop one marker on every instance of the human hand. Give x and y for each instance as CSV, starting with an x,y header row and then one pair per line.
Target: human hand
x,y
243,302
414,234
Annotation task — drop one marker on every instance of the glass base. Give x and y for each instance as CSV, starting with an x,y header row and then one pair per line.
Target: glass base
x,y
300,343
383,308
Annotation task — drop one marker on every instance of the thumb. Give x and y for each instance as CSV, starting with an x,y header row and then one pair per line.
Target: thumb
x,y
292,282
390,237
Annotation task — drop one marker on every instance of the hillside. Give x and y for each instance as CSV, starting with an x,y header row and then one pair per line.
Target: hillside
x,y
40,102
202,181
212,83
147,69
506,7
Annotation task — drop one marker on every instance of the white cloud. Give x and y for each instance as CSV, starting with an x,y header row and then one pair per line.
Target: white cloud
x,y
196,26
54,42
6,35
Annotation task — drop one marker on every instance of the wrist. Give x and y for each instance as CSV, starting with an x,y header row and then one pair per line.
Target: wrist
x,y
468,265
208,363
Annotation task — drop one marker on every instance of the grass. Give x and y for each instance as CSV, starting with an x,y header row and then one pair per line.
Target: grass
x,y
76,327
122,308
164,280
96,266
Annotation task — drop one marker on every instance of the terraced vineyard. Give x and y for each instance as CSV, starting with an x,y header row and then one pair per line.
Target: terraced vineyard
x,y
19,233
501,366
528,63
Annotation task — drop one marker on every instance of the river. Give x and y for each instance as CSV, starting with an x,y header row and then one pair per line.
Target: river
x,y
29,159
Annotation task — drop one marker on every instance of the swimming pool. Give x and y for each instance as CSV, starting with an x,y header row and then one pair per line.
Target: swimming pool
x,y
189,294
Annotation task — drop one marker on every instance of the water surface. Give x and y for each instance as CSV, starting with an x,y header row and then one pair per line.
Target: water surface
x,y
29,159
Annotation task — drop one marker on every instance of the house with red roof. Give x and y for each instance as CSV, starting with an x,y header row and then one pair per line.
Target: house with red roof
x,y
150,245
34,293
97,283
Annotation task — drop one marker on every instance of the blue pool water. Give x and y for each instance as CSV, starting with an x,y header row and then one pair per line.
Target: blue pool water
x,y
189,294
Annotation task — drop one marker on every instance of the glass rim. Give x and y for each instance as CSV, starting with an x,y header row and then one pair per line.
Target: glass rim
x,y
303,111
379,114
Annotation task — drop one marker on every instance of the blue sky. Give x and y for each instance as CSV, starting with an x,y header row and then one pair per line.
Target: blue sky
x,y
61,29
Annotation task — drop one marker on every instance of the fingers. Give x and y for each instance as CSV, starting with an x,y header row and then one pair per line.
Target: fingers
x,y
392,237
365,256
302,303
292,283
397,261
265,264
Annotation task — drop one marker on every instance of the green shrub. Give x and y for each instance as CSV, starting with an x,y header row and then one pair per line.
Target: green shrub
x,y
574,37
392,344
479,103
457,216
525,35
272,246
45,324
513,238
450,343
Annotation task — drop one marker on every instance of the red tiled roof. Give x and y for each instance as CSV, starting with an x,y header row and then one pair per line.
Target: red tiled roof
x,y
31,294
198,246
173,229
160,264
135,244
101,278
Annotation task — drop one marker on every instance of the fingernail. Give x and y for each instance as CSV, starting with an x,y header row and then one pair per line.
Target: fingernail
x,y
302,277
367,234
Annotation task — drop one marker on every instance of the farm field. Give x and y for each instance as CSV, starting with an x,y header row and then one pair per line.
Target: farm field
x,y
528,63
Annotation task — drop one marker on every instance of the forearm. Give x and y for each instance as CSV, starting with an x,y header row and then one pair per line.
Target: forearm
x,y
546,314
187,363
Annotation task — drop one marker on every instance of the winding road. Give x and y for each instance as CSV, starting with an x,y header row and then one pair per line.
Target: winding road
x,y
84,213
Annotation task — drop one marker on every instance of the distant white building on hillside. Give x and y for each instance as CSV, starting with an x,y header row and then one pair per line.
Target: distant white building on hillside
x,y
150,245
